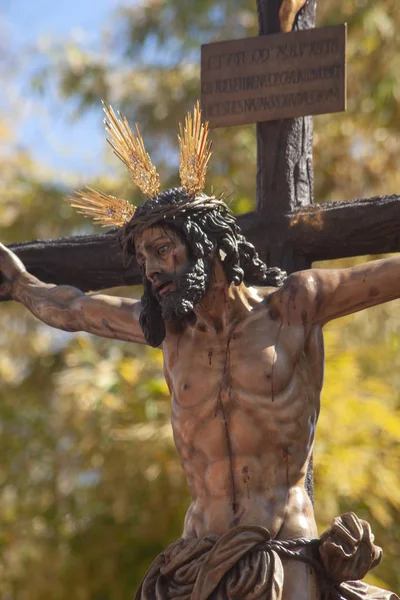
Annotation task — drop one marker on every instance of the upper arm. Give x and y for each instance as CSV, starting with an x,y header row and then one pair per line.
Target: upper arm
x,y
317,296
68,308
109,316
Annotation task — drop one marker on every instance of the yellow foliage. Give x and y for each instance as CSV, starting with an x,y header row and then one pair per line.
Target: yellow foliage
x,y
90,484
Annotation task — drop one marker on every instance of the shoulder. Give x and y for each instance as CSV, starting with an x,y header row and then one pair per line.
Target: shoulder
x,y
293,302
302,285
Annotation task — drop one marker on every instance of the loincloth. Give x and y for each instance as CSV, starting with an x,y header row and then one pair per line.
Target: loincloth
x,y
243,564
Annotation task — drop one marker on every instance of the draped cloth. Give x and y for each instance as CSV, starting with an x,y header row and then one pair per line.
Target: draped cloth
x,y
245,564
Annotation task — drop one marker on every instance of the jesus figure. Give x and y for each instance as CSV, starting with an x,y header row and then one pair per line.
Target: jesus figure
x,y
244,367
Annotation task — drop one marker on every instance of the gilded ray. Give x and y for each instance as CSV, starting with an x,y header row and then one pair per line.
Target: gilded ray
x,y
195,152
131,151
107,210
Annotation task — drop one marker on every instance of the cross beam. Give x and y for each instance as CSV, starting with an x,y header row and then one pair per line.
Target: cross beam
x,y
319,232
327,231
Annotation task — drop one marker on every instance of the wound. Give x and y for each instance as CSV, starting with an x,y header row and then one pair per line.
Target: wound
x,y
285,456
293,291
236,520
246,476
210,354
218,326
304,319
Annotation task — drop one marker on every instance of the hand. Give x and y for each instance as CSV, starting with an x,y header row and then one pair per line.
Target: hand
x,y
10,270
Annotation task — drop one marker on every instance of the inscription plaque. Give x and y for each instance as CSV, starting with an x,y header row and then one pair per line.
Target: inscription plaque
x,y
271,77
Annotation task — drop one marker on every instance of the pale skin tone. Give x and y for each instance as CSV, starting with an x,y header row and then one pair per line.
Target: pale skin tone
x,y
245,380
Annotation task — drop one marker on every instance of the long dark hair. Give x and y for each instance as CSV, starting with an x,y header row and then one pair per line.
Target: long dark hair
x,y
204,232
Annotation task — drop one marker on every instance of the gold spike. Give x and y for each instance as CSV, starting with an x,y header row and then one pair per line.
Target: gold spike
x,y
130,149
102,208
195,152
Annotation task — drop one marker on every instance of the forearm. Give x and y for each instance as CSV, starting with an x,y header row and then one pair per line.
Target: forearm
x,y
51,304
345,291
68,308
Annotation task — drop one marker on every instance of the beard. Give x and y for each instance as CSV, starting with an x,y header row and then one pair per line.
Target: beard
x,y
176,306
190,288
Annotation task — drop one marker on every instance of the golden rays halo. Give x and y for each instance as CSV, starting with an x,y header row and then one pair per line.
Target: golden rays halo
x,y
102,208
130,149
195,152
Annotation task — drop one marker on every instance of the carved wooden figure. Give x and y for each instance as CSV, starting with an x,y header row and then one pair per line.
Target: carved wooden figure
x,y
244,366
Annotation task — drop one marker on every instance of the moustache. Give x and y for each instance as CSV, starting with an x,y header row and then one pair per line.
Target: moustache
x,y
164,279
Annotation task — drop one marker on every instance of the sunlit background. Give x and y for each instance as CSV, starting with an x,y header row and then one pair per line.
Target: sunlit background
x,y
90,483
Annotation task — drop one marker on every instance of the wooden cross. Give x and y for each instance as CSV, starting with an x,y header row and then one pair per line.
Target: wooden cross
x,y
288,230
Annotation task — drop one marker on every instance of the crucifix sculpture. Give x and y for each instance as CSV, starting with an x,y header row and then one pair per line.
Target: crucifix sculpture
x,y
244,368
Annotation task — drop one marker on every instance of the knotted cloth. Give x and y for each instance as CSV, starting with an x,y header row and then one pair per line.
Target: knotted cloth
x,y
219,568
245,564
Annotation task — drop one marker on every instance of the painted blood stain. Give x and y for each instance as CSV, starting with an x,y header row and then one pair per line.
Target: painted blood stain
x,y
218,326
220,408
285,456
293,291
236,520
246,476
210,353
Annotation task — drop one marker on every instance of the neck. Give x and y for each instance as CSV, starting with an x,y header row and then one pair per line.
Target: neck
x,y
224,304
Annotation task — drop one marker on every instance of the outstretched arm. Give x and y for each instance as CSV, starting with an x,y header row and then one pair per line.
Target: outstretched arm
x,y
66,307
318,295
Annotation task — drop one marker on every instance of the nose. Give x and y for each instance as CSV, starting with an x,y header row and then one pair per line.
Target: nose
x,y
152,269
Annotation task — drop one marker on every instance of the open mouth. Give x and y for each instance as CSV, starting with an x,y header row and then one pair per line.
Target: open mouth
x,y
164,287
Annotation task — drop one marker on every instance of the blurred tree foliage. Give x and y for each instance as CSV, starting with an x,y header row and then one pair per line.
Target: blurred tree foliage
x,y
90,483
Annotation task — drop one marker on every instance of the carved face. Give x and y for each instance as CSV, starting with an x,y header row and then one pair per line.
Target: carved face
x,y
176,281
163,256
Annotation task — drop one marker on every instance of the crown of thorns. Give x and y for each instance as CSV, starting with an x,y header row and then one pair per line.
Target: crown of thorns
x,y
195,152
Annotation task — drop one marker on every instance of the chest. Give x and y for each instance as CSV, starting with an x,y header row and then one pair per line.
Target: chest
x,y
256,356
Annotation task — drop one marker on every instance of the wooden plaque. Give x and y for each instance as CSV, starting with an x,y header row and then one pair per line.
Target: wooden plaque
x,y
271,77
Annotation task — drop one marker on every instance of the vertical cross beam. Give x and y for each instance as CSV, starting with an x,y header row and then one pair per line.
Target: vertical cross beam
x,y
285,174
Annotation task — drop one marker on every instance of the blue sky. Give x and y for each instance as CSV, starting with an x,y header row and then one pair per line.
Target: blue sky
x,y
46,128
